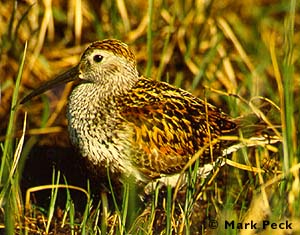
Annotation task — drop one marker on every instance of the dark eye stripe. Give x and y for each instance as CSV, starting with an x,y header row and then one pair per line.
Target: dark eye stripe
x,y
97,58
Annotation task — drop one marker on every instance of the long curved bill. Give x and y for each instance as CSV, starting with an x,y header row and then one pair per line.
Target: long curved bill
x,y
66,77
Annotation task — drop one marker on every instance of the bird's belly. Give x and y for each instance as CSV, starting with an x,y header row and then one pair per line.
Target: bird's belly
x,y
98,147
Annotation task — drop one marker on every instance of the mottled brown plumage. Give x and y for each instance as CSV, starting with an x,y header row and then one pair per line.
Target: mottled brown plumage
x,y
135,125
170,125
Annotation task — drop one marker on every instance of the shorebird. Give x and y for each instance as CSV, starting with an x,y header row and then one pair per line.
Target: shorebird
x,y
135,125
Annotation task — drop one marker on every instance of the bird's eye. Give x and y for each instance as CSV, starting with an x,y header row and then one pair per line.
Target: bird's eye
x,y
97,58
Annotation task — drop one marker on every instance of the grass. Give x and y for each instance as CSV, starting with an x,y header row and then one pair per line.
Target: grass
x,y
217,51
10,193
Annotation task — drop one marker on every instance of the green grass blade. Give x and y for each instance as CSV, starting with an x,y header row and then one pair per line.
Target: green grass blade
x,y
288,85
8,144
149,39
164,51
169,210
54,192
8,193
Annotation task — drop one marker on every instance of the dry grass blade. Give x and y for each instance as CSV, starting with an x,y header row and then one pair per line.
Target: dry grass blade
x,y
244,167
47,24
244,57
18,150
190,163
78,21
51,186
124,15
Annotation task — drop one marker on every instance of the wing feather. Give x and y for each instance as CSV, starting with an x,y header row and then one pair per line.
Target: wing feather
x,y
169,125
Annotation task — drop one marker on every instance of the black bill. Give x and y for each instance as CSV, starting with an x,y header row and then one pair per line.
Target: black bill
x,y
66,77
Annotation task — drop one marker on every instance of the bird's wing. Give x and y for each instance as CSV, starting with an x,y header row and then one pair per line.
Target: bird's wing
x,y
169,126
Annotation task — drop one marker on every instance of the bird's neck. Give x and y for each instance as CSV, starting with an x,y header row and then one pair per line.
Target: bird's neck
x,y
94,94
117,86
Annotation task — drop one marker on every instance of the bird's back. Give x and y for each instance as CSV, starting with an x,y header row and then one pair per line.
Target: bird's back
x,y
168,126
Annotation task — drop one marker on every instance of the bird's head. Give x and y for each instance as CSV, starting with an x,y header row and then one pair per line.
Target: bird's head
x,y
108,64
